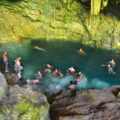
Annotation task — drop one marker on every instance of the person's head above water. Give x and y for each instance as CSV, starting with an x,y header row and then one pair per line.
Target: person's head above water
x,y
19,58
71,68
113,60
48,65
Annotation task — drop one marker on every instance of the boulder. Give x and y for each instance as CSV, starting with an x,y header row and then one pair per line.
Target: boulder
x,y
87,105
24,104
11,78
3,86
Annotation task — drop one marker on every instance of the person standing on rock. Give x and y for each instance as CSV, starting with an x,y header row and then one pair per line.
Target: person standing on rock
x,y
5,61
18,67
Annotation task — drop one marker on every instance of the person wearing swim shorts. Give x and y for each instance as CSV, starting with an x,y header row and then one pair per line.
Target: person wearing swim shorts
x,y
5,61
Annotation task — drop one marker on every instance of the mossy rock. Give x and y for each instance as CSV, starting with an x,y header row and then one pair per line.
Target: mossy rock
x,y
3,86
24,104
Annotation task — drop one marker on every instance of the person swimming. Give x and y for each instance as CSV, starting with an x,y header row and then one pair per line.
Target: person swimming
x,y
32,81
48,68
71,70
110,66
40,74
112,63
72,85
40,49
60,73
55,73
80,51
78,77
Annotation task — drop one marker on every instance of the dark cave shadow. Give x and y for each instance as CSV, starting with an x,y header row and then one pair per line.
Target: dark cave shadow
x,y
112,10
14,1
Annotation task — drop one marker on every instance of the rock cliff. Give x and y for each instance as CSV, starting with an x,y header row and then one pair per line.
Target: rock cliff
x,y
87,105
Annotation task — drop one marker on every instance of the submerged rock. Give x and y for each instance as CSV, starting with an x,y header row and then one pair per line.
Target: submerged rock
x,y
87,105
24,104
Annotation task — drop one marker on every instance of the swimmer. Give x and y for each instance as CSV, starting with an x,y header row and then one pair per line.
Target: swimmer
x,y
80,51
110,66
71,70
32,81
78,77
54,73
72,85
110,70
40,49
40,74
5,61
48,68
112,63
60,73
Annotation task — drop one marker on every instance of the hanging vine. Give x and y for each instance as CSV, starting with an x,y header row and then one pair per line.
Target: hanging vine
x,y
97,5
68,2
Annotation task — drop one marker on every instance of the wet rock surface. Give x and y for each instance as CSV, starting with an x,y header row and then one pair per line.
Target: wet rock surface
x,y
87,105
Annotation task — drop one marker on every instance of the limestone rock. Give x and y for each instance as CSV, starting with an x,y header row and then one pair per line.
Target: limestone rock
x,y
24,104
3,86
11,78
87,105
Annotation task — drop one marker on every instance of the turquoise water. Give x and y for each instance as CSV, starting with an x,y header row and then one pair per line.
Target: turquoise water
x,y
62,55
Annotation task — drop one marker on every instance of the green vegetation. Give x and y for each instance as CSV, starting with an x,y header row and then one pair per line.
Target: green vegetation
x,y
98,5
25,110
53,19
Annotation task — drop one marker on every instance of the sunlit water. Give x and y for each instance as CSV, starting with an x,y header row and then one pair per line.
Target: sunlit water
x,y
62,55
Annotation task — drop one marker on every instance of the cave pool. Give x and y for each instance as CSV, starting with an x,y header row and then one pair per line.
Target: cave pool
x,y
62,54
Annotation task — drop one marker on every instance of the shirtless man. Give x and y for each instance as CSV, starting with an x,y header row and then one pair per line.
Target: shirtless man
x,y
5,61
111,65
18,67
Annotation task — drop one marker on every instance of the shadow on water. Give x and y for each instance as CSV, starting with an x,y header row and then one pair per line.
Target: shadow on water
x,y
62,55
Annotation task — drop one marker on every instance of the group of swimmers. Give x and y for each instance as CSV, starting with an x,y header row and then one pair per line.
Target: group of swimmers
x,y
53,72
70,71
